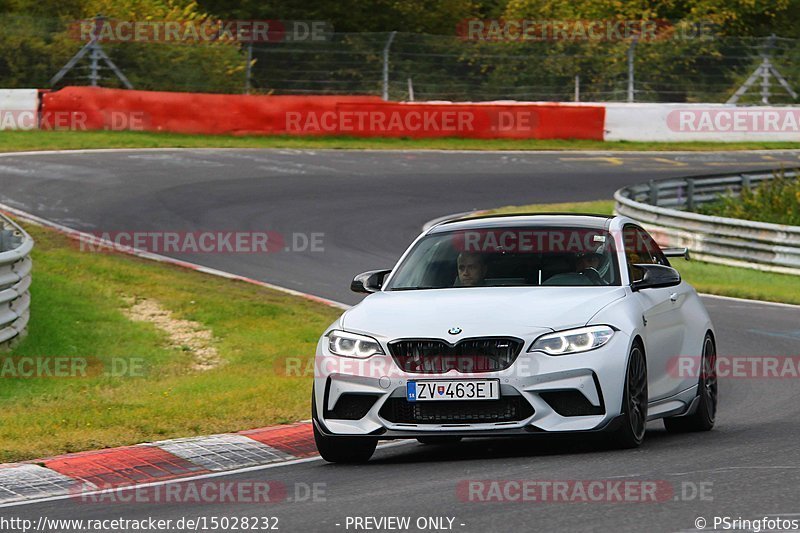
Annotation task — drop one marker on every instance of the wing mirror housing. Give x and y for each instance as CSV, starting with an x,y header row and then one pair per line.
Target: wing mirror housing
x,y
369,281
656,276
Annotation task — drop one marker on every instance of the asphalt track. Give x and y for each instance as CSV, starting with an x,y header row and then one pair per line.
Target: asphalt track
x,y
369,206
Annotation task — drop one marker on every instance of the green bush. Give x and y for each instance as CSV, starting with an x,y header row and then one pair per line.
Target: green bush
x,y
776,201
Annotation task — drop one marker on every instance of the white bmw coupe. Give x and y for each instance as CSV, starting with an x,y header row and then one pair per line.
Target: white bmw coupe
x,y
517,325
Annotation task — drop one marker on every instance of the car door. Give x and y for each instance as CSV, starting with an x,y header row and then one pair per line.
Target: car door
x,y
661,314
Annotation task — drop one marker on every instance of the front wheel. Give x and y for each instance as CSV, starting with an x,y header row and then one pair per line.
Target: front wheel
x,y
703,418
634,402
340,449
344,449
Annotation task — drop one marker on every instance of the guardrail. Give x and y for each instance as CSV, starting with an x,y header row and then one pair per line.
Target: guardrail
x,y
663,207
15,280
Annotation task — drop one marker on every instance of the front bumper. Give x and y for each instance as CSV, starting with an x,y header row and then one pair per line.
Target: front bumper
x,y
547,394
389,434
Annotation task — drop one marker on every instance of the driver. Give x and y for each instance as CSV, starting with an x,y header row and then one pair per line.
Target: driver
x,y
587,265
588,260
471,269
586,271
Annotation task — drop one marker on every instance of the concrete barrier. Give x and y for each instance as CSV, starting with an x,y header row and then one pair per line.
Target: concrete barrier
x,y
363,116
19,109
93,108
700,122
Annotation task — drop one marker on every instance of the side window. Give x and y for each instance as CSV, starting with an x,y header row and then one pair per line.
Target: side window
x,y
637,250
655,250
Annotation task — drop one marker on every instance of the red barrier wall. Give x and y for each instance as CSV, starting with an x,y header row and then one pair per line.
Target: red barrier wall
x,y
365,116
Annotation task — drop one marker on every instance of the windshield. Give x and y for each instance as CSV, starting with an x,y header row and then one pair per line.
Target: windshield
x,y
509,257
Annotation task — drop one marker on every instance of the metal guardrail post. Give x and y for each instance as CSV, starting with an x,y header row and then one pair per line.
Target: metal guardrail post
x,y
690,194
631,57
248,71
385,92
653,192
745,182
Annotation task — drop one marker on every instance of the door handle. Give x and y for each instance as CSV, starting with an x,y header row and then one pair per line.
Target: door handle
x,y
673,297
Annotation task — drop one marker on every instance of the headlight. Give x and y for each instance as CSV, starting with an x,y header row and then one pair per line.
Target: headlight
x,y
572,340
352,345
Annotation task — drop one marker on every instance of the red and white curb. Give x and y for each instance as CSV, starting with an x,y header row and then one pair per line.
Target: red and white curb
x,y
142,464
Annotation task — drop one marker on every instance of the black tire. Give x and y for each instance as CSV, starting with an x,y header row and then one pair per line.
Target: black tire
x,y
341,449
630,433
704,416
344,449
439,441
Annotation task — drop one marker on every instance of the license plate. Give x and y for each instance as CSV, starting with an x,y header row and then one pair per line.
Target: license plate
x,y
427,391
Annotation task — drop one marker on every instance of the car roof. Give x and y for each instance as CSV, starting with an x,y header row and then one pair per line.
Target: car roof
x,y
581,220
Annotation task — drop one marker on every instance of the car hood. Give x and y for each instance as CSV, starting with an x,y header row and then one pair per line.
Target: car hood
x,y
478,311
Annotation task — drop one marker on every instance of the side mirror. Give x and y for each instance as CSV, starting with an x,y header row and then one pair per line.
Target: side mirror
x,y
370,281
676,252
656,276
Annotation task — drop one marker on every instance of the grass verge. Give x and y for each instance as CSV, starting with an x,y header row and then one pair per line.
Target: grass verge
x,y
15,141
79,306
705,277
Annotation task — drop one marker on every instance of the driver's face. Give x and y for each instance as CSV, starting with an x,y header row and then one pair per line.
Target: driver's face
x,y
588,261
471,270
